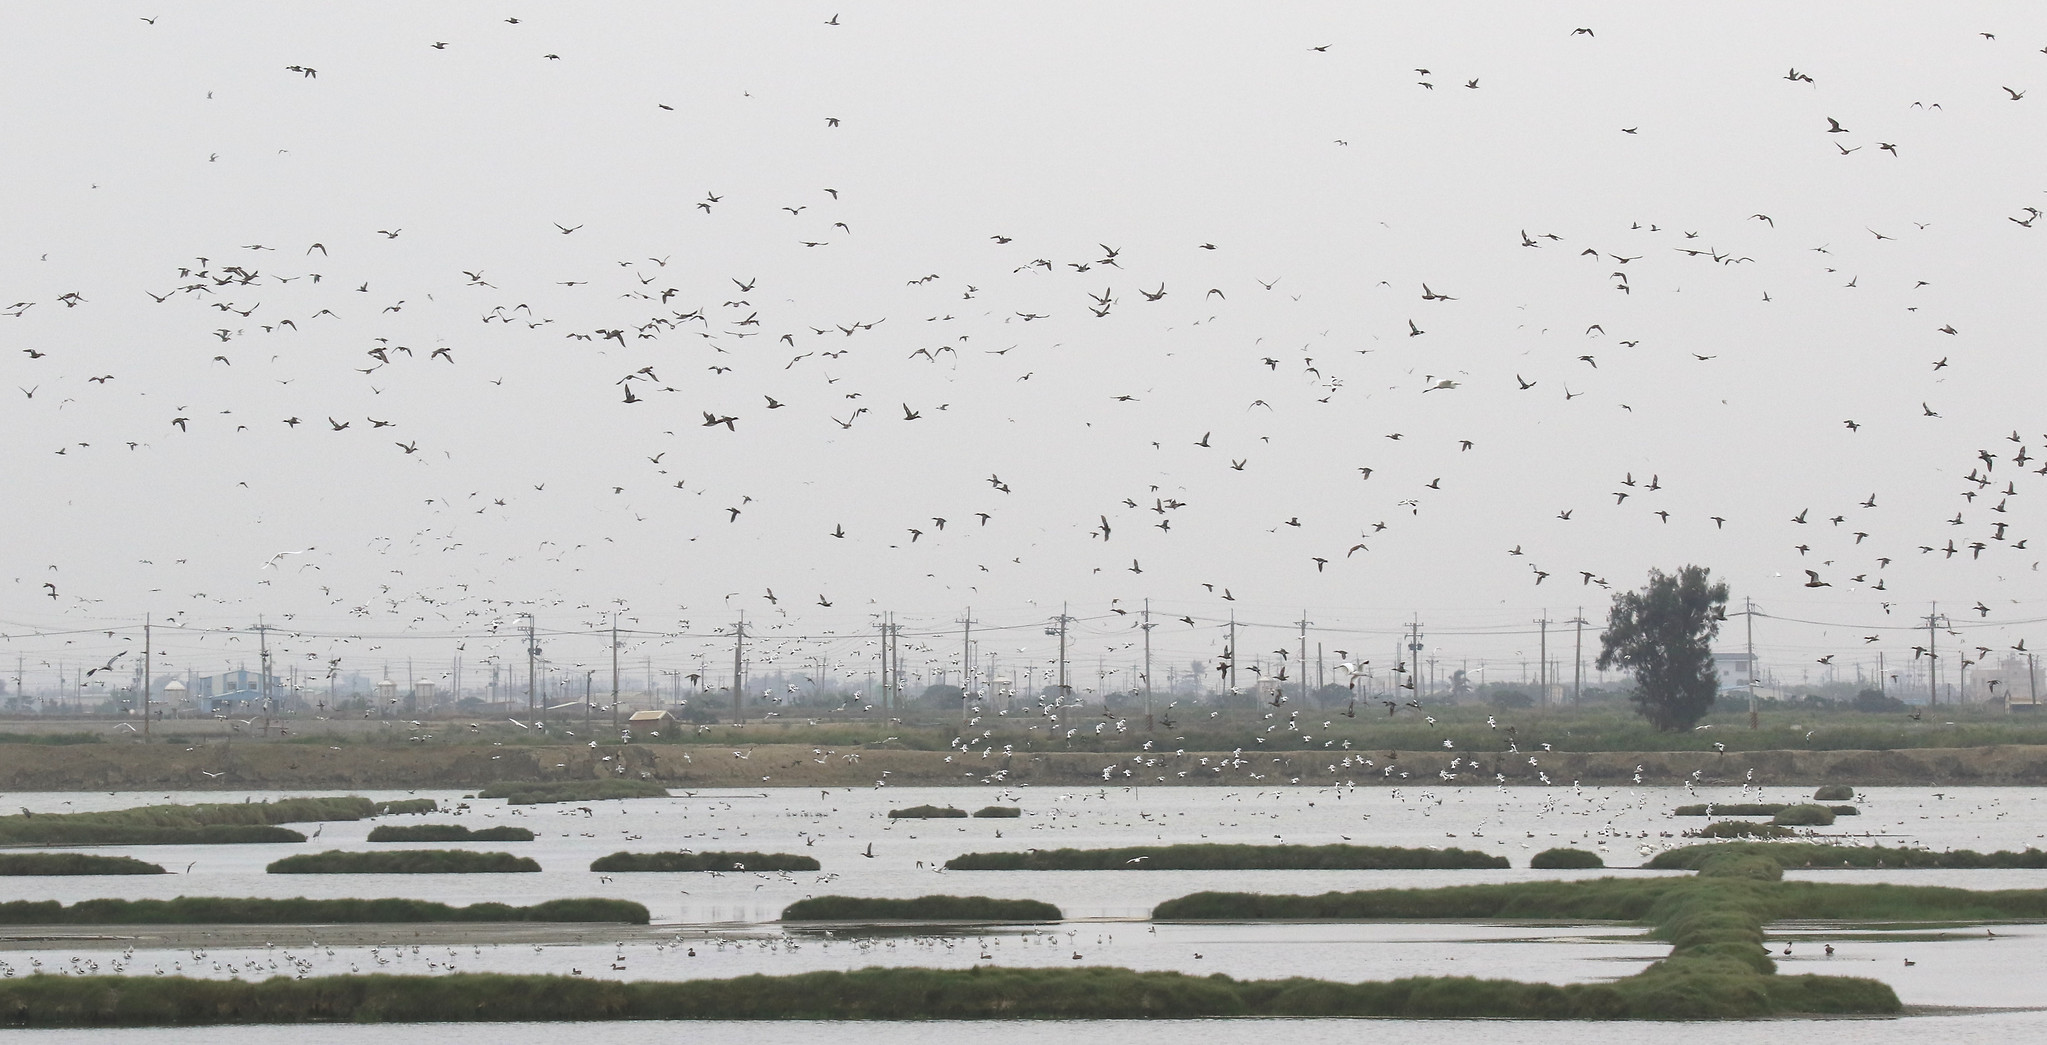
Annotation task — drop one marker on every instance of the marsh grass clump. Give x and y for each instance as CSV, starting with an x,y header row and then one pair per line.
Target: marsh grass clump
x,y
998,812
1228,858
1803,816
1565,859
1752,809
222,910
1813,855
1740,829
72,863
703,862
402,861
447,833
400,806
573,791
1834,793
926,813
206,824
920,909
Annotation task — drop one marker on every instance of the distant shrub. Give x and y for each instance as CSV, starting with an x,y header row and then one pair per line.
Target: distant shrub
x,y
919,909
1803,816
1834,793
1227,858
926,813
204,824
1564,859
221,910
573,791
72,863
1511,700
703,862
447,833
400,806
998,812
402,861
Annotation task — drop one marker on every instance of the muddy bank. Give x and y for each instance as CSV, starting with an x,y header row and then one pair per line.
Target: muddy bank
x,y
277,766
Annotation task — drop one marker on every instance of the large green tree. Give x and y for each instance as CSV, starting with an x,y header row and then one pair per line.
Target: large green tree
x,y
1664,634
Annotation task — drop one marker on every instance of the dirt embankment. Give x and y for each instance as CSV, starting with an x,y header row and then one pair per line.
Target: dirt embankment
x,y
243,766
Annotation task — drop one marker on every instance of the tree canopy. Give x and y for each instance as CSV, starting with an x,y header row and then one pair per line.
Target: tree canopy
x,y
1664,634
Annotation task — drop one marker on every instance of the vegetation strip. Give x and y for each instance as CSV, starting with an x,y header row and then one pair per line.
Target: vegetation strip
x,y
1752,809
1565,859
72,863
208,824
888,994
447,833
573,791
221,910
920,909
998,812
926,813
1803,854
712,861
402,861
1227,858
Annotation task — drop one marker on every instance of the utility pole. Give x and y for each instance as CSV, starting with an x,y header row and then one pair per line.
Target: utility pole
x,y
614,670
1304,622
1578,659
739,669
532,664
1063,688
1932,656
263,641
588,712
1147,665
1543,661
966,665
145,675
1231,661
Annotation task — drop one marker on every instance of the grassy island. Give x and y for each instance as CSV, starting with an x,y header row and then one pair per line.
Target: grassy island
x,y
209,824
1801,854
1834,793
1754,809
703,862
919,909
1740,829
1565,859
447,833
1227,858
573,791
72,863
926,813
221,910
402,861
998,812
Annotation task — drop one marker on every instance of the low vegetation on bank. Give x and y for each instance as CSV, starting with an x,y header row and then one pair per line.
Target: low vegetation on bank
x,y
1228,858
998,813
223,910
72,863
447,833
209,824
926,813
1740,829
1754,809
703,862
1805,854
1565,859
919,909
402,861
572,791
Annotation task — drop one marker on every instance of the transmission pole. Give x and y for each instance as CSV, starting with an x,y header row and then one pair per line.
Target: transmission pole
x,y
1542,675
1932,656
1578,659
614,670
966,665
739,669
1147,665
263,641
1304,622
145,675
1231,661
532,664
1063,619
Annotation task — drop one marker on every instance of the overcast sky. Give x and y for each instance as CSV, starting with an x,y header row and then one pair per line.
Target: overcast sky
x,y
877,237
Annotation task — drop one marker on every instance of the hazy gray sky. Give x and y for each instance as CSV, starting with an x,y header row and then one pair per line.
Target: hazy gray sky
x,y
918,211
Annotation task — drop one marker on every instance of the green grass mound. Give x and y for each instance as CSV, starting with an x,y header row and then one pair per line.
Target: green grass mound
x,y
1740,829
913,994
72,863
223,910
206,824
447,833
400,806
573,791
1753,809
49,739
1802,854
998,812
1228,858
1803,816
402,861
919,909
926,813
1564,859
1834,793
703,862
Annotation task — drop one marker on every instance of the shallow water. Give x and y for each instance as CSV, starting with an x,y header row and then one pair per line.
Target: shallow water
x,y
727,919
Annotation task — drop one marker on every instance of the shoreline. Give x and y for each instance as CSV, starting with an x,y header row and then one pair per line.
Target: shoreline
x,y
224,766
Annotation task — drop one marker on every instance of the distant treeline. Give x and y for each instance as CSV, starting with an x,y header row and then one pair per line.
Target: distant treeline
x,y
919,909
1753,809
222,910
447,833
212,823
572,791
1216,857
1800,854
